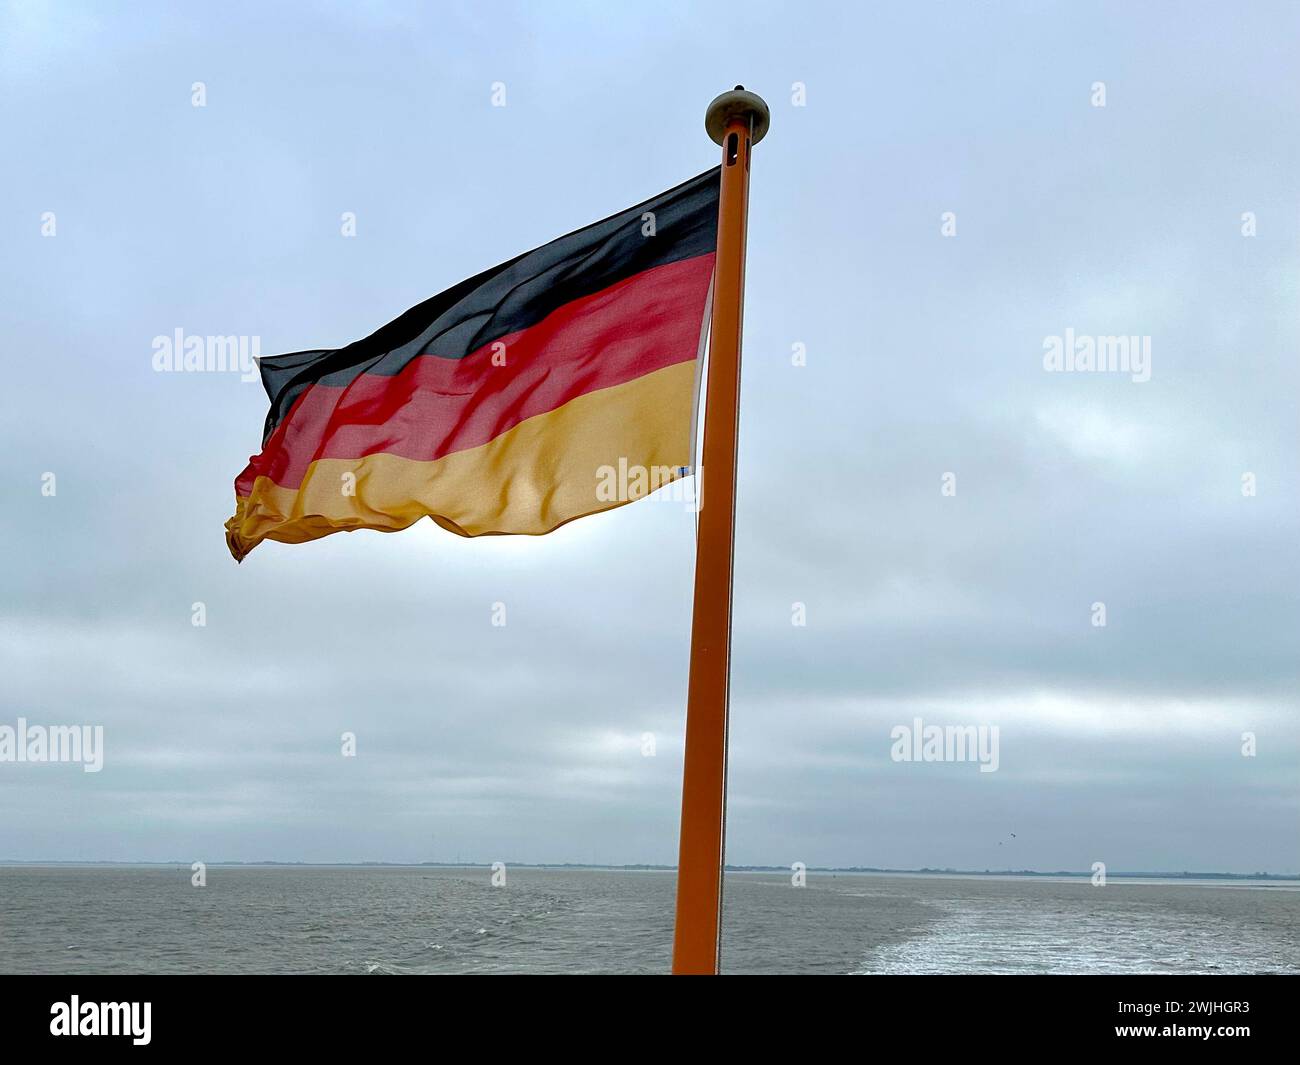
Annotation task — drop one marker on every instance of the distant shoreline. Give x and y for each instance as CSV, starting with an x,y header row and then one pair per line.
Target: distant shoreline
x,y
1026,873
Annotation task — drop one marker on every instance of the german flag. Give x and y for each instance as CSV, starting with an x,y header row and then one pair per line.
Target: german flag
x,y
500,405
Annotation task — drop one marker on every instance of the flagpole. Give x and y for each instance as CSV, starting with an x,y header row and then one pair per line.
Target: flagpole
x,y
735,120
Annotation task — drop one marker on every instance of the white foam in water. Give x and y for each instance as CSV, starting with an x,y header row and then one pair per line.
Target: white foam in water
x,y
1018,935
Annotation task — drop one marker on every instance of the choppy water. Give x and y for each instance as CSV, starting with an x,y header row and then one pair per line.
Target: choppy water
x,y
106,919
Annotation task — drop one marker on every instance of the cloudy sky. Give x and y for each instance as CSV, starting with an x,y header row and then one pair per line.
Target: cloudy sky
x,y
924,357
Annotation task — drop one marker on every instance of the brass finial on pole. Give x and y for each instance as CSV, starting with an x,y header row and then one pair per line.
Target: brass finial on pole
x,y
736,120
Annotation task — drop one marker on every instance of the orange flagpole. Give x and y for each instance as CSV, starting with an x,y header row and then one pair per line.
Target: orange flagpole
x,y
736,120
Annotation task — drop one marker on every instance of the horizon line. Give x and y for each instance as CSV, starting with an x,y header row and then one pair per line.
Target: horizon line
x,y
654,867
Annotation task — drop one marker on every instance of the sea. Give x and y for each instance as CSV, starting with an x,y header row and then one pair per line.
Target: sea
x,y
410,920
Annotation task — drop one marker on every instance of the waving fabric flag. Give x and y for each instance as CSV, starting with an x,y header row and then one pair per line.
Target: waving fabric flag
x,y
494,406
